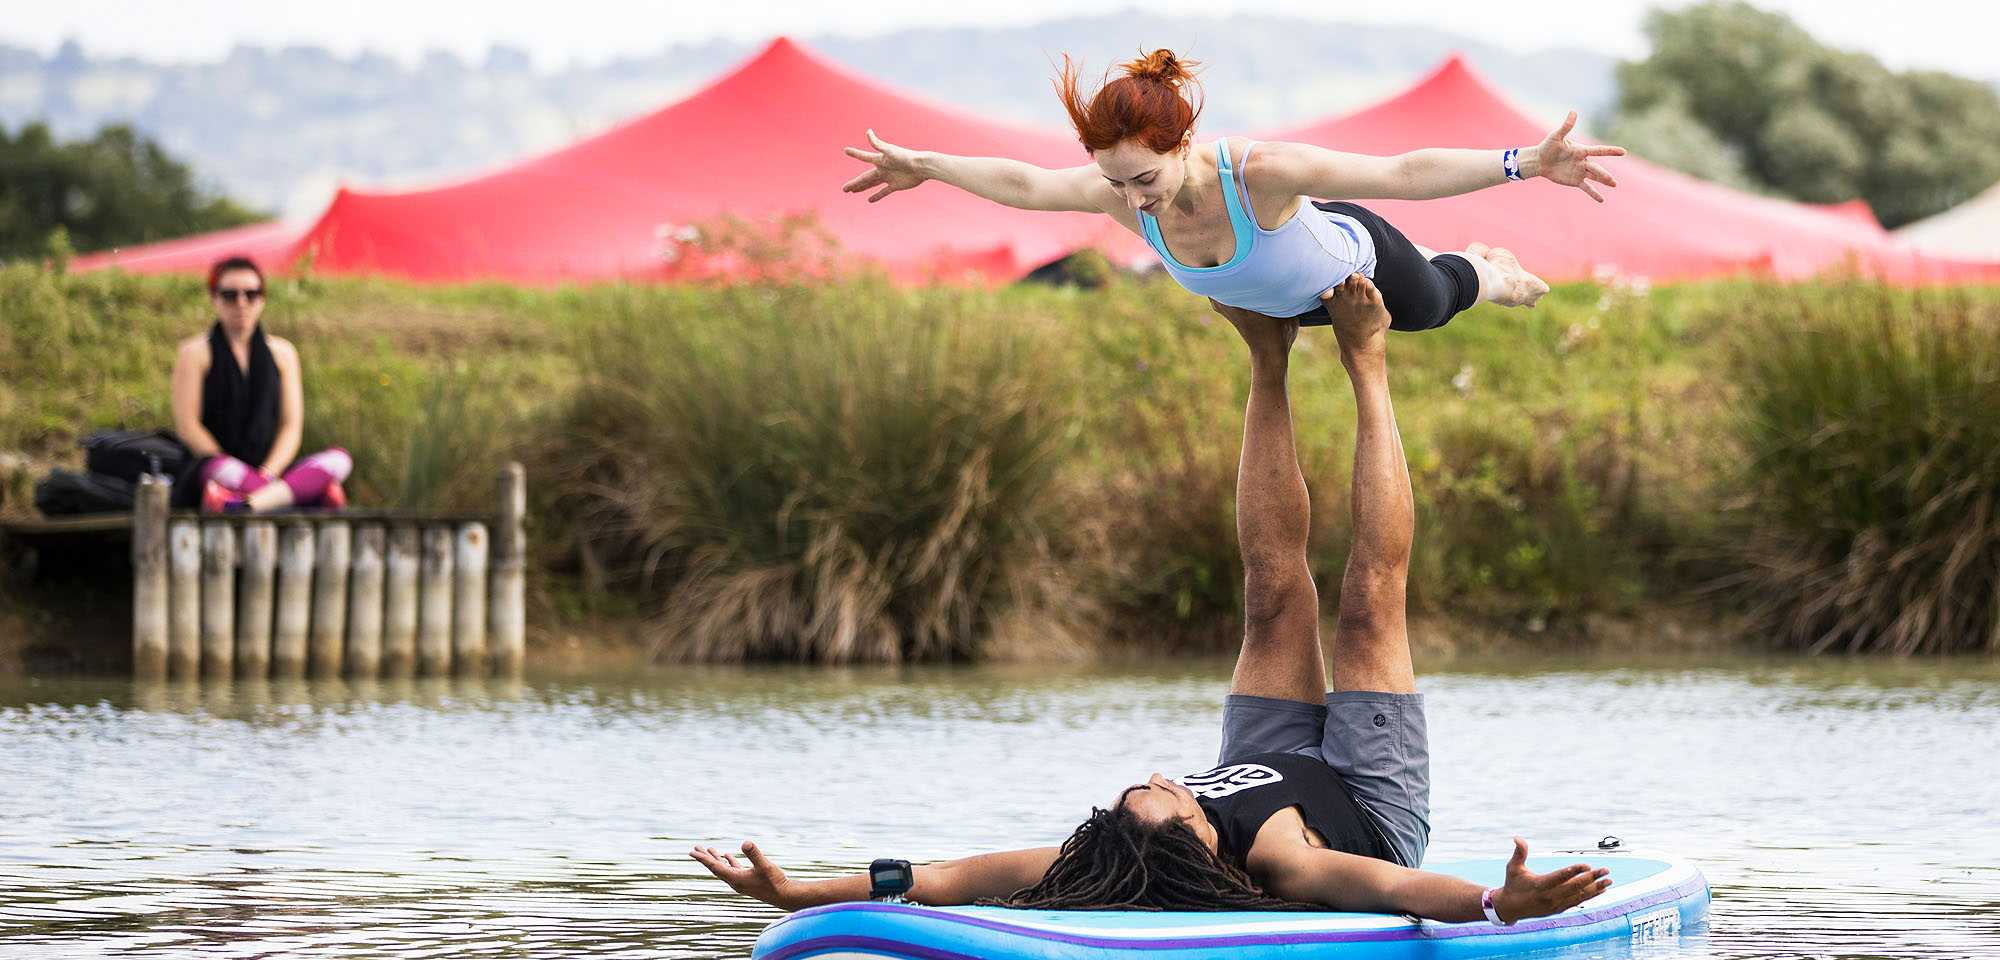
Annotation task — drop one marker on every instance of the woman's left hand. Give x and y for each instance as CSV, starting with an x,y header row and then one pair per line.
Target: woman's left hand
x,y
1570,164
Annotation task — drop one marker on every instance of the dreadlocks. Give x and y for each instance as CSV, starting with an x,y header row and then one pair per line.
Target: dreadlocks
x,y
1117,861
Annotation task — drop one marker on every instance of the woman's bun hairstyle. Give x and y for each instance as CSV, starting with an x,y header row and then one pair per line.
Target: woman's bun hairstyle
x,y
1163,66
1148,104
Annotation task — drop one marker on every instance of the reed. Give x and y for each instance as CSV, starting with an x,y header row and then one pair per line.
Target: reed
x,y
1868,510
810,476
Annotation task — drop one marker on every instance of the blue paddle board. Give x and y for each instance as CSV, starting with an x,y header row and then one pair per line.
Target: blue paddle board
x,y
1649,899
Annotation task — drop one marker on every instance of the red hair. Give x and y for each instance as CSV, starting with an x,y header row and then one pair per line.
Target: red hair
x,y
1147,104
232,263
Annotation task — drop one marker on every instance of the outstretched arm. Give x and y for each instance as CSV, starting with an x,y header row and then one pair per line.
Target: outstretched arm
x,y
1009,182
1298,169
944,884
1348,882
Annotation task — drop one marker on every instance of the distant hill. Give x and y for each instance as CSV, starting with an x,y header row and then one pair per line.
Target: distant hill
x,y
280,128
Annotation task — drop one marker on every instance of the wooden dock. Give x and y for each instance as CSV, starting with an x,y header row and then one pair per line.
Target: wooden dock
x,y
355,593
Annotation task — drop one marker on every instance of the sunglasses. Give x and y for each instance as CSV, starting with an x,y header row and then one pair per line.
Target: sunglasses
x,y
249,296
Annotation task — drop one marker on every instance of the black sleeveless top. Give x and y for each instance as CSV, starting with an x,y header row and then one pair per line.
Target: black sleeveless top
x,y
240,407
1239,797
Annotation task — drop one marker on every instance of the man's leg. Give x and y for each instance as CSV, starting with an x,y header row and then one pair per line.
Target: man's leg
x,y
1376,735
1371,649
1281,656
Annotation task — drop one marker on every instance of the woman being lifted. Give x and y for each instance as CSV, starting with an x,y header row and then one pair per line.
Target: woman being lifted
x,y
1233,219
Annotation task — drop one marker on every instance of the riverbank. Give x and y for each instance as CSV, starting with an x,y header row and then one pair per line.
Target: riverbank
x,y
850,471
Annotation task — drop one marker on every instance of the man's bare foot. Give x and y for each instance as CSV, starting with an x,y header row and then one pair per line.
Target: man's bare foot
x,y
1265,336
1360,321
1523,288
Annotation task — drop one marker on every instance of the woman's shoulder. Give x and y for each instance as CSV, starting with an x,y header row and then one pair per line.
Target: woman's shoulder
x,y
282,349
193,349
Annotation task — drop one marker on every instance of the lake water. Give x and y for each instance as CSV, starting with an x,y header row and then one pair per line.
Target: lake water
x,y
1840,808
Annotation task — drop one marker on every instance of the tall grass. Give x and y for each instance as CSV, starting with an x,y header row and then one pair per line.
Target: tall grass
x,y
843,470
1869,423
803,476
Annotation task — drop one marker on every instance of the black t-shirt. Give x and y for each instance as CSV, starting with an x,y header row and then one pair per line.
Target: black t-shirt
x,y
1239,797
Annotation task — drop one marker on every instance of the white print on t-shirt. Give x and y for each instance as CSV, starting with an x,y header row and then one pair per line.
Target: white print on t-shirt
x,y
1223,781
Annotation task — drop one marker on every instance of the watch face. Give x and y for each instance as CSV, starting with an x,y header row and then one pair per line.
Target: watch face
x,y
889,877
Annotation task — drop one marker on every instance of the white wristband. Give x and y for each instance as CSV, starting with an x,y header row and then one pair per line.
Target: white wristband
x,y
1486,904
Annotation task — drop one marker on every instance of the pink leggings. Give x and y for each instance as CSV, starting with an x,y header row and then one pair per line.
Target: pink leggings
x,y
308,478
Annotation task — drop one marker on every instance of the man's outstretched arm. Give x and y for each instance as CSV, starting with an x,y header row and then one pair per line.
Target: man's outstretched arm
x,y
1344,881
943,884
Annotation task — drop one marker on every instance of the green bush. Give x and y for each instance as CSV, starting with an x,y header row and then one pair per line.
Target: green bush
x,y
806,473
1869,511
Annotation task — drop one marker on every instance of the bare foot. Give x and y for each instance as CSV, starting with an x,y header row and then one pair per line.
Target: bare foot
x,y
1360,321
1523,288
1264,335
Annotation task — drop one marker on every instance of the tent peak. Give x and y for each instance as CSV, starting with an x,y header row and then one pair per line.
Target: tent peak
x,y
1456,66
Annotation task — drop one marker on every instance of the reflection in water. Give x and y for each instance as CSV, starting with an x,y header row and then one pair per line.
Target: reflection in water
x,y
1840,807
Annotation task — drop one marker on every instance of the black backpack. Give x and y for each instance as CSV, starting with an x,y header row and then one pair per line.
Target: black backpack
x,y
62,493
130,454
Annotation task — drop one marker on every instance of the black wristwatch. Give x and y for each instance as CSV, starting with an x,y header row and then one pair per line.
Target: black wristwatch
x,y
888,880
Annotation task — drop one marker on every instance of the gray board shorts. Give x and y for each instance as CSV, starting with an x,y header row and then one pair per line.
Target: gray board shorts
x,y
1377,742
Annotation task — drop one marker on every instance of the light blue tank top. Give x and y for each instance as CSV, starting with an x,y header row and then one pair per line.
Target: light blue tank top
x,y
1278,273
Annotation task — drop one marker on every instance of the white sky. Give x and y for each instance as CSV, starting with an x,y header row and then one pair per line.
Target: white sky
x,y
1954,35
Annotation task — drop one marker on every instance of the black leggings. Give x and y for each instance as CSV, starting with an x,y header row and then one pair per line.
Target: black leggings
x,y
1419,293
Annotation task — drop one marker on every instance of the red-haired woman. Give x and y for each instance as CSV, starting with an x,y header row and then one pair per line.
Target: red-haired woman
x,y
239,404
1232,220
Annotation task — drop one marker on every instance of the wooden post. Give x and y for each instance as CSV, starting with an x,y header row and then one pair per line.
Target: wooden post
x,y
218,599
149,579
509,597
399,626
468,600
364,610
434,610
329,599
295,573
253,602
184,593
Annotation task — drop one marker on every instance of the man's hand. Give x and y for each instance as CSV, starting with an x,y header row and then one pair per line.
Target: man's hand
x,y
1570,164
1360,321
1540,894
760,878
894,169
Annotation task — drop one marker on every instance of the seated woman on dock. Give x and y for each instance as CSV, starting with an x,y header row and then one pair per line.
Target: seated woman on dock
x,y
239,404
1322,795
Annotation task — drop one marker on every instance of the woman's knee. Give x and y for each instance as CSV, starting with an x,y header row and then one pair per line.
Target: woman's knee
x,y
334,461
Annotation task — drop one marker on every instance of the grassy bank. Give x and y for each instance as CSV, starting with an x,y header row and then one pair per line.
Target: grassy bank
x,y
853,471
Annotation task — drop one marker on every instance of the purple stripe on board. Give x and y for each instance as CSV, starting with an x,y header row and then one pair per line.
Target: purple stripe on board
x,y
1412,932
894,948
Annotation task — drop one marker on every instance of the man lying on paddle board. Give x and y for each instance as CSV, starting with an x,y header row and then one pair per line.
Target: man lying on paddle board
x,y
1321,799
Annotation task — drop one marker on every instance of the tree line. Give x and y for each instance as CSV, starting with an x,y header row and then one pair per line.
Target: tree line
x,y
1745,97
115,189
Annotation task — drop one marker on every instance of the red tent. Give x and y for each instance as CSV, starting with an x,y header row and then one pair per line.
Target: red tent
x,y
270,243
766,140
762,142
1657,223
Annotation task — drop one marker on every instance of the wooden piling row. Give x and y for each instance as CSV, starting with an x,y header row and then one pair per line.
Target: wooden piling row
x,y
327,595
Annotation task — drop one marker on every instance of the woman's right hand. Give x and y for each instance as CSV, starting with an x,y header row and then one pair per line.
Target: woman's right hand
x,y
894,169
